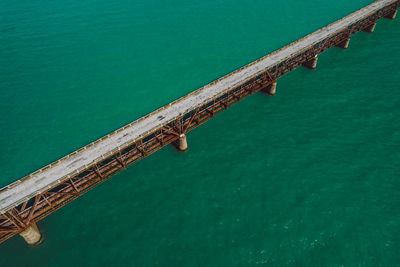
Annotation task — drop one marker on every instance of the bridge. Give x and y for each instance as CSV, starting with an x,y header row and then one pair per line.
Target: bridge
x,y
30,199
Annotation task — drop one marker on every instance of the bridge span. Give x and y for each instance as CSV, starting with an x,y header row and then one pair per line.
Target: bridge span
x,y
30,199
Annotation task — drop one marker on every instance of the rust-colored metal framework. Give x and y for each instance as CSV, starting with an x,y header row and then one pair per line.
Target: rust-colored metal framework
x,y
18,218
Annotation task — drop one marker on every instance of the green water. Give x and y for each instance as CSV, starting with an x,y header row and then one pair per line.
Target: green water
x,y
309,177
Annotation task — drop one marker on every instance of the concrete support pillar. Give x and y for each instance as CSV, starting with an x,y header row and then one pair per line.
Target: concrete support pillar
x,y
270,89
183,146
370,28
344,44
312,64
32,235
392,15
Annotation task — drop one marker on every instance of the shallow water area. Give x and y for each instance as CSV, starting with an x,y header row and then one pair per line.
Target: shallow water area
x,y
307,177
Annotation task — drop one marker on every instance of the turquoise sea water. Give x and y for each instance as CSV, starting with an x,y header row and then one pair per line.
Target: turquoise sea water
x,y
309,177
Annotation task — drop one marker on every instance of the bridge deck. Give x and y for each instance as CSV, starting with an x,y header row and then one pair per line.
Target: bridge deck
x,y
52,174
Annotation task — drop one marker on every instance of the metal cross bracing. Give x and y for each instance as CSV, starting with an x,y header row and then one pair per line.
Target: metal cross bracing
x,y
33,209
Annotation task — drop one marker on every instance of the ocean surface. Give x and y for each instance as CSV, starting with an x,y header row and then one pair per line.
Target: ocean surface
x,y
310,177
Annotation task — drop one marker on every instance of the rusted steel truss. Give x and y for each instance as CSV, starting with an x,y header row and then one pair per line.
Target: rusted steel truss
x,y
36,208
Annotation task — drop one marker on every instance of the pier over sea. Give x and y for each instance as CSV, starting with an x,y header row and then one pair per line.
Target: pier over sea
x,y
30,199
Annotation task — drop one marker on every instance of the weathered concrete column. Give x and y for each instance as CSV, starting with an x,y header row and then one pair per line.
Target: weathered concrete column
x,y
312,64
183,146
344,44
270,89
32,235
392,15
370,28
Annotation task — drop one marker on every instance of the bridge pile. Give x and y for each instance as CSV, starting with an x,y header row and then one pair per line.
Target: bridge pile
x,y
30,199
